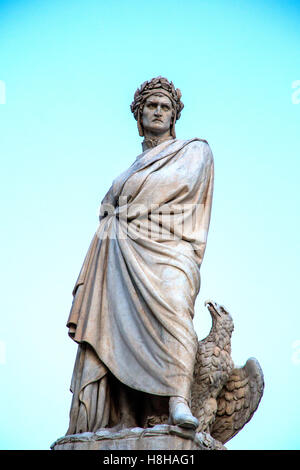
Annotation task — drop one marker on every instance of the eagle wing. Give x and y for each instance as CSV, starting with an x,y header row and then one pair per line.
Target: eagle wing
x,y
238,400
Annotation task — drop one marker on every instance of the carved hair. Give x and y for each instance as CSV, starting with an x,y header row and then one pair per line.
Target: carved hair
x,y
154,86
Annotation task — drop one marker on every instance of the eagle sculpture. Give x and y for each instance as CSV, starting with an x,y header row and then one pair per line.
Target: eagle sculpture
x,y
223,397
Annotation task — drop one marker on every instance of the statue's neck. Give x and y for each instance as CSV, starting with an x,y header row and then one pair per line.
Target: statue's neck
x,y
150,142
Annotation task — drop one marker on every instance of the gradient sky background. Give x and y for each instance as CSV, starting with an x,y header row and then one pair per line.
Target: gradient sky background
x,y
70,69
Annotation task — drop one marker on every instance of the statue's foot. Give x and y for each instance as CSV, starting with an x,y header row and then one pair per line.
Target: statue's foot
x,y
180,414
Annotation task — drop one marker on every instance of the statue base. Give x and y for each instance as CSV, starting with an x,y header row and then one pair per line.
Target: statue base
x,y
159,437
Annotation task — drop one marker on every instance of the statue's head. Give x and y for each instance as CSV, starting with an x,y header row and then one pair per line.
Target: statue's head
x,y
157,94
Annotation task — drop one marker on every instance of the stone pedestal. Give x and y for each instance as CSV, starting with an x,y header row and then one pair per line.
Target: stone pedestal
x,y
160,437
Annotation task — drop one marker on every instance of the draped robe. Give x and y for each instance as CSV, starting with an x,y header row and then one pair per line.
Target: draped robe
x,y
134,298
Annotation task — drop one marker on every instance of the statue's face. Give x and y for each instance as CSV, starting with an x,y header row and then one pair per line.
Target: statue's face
x,y
157,114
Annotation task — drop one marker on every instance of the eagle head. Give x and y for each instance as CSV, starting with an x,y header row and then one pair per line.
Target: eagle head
x,y
220,316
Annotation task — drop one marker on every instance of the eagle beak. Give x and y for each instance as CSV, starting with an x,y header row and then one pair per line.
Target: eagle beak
x,y
212,306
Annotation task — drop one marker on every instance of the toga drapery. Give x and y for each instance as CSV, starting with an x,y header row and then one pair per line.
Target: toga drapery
x,y
134,298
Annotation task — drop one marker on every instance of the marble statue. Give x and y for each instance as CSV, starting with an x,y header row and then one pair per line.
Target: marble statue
x,y
224,397
139,363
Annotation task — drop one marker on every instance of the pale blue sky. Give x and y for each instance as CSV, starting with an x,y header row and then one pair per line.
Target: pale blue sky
x,y
70,69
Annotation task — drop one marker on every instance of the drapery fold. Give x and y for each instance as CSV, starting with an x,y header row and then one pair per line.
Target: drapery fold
x,y
134,297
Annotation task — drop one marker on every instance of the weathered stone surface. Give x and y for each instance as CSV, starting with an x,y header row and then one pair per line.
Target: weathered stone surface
x,y
160,437
139,362
133,304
